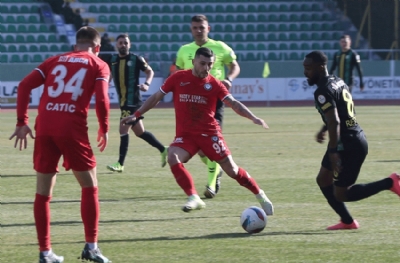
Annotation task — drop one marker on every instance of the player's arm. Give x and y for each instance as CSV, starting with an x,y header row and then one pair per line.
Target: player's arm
x,y
333,125
357,63
242,110
148,71
179,63
102,112
150,103
30,82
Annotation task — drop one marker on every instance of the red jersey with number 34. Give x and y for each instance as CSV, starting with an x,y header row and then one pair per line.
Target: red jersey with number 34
x,y
195,102
70,80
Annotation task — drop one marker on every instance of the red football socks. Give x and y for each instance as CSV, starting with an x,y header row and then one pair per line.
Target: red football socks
x,y
41,213
184,179
90,211
245,180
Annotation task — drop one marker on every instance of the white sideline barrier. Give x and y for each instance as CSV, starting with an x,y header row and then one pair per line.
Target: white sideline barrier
x,y
244,89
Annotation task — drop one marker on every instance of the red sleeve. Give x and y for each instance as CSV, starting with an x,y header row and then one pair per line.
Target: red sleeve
x,y
102,99
168,85
30,82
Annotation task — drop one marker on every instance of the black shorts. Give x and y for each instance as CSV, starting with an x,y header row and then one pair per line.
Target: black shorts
x,y
355,150
219,112
128,110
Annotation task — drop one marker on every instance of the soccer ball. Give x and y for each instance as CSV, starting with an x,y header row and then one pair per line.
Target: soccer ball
x,y
253,219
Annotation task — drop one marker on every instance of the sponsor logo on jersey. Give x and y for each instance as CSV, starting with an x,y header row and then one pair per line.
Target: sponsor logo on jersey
x,y
130,63
178,140
184,83
207,86
321,99
214,138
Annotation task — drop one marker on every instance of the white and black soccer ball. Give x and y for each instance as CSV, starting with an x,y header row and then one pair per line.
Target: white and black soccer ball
x,y
253,219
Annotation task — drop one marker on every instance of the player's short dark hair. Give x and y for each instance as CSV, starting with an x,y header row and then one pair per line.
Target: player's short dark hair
x,y
199,18
204,51
88,35
122,36
318,57
345,36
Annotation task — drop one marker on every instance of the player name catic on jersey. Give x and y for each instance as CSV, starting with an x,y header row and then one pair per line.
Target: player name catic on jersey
x,y
60,107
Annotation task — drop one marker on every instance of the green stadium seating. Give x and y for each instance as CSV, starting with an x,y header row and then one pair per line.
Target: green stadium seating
x,y
283,7
164,47
251,8
36,58
261,37
209,9
283,46
293,36
271,37
164,38
123,19
4,9
114,9
123,28
219,19
187,9
133,38
33,19
12,48
124,9
230,19
54,49
176,28
294,17
294,46
103,19
238,38
240,18
262,8
43,48
93,9
41,39
112,28
15,59
10,39
271,28
283,27
10,19
134,19
272,56
187,38
177,9
11,29
30,39
21,20
261,46
153,47
165,19
154,38
1,39
14,9
3,49
65,48
305,46
134,9
175,38
44,29
239,28
33,48
103,9
273,18
240,47
198,9
144,28
166,9
326,45
250,38
294,8
113,19
273,8
34,9
155,19
316,46
228,38
4,58
261,28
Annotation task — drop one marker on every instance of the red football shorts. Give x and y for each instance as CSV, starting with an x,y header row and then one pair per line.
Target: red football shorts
x,y
213,146
76,152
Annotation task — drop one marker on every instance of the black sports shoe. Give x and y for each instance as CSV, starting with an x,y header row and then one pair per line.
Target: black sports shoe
x,y
50,258
93,255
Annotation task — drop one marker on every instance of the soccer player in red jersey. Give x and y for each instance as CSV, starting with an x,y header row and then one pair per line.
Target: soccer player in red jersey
x,y
69,80
195,95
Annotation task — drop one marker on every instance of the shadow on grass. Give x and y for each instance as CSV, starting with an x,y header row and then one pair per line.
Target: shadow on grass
x,y
212,236
388,161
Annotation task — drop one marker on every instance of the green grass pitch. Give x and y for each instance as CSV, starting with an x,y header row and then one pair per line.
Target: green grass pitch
x,y
141,220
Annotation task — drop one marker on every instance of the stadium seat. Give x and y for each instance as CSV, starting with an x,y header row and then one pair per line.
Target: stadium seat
x,y
33,48
54,48
250,9
294,8
114,9
283,27
228,28
273,8
240,18
283,18
134,19
103,19
219,9
20,38
12,48
153,47
14,9
164,57
187,38
144,28
176,28
261,46
315,17
175,47
219,18
143,38
113,19
133,28
262,8
239,28
155,9
230,19
123,28
4,58
15,59
315,36
315,26
197,9
250,56
271,28
175,38
293,27
228,38
43,48
155,19
30,39
164,47
10,39
250,37
21,20
261,28
65,48
326,45
124,9
41,39
305,46
305,7
240,47
283,46
261,37
294,46
103,9
164,38
10,19
217,28
1,19
33,19
123,19
93,9
4,9
3,49
177,9
326,36
283,7
22,29
293,36
112,28
165,9
37,58
166,19
44,29
271,37
34,9
134,9
209,9
305,17
238,38
304,37
273,18
294,17
316,7
272,56
316,46
251,18
187,9
187,19
304,27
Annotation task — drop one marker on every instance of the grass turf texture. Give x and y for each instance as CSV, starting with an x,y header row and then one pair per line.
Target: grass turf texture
x,y
141,220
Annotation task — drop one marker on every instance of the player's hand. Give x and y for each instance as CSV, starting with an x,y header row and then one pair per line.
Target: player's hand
x,y
261,122
336,163
143,87
320,137
227,83
102,139
20,135
129,119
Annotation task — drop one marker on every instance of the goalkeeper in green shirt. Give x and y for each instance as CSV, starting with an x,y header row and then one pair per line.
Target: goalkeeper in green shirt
x,y
224,57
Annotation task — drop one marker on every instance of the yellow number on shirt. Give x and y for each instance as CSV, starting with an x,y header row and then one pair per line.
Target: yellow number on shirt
x,y
72,86
349,101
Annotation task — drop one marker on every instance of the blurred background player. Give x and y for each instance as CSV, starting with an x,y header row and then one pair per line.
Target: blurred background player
x,y
61,128
345,61
195,95
224,56
347,145
125,69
